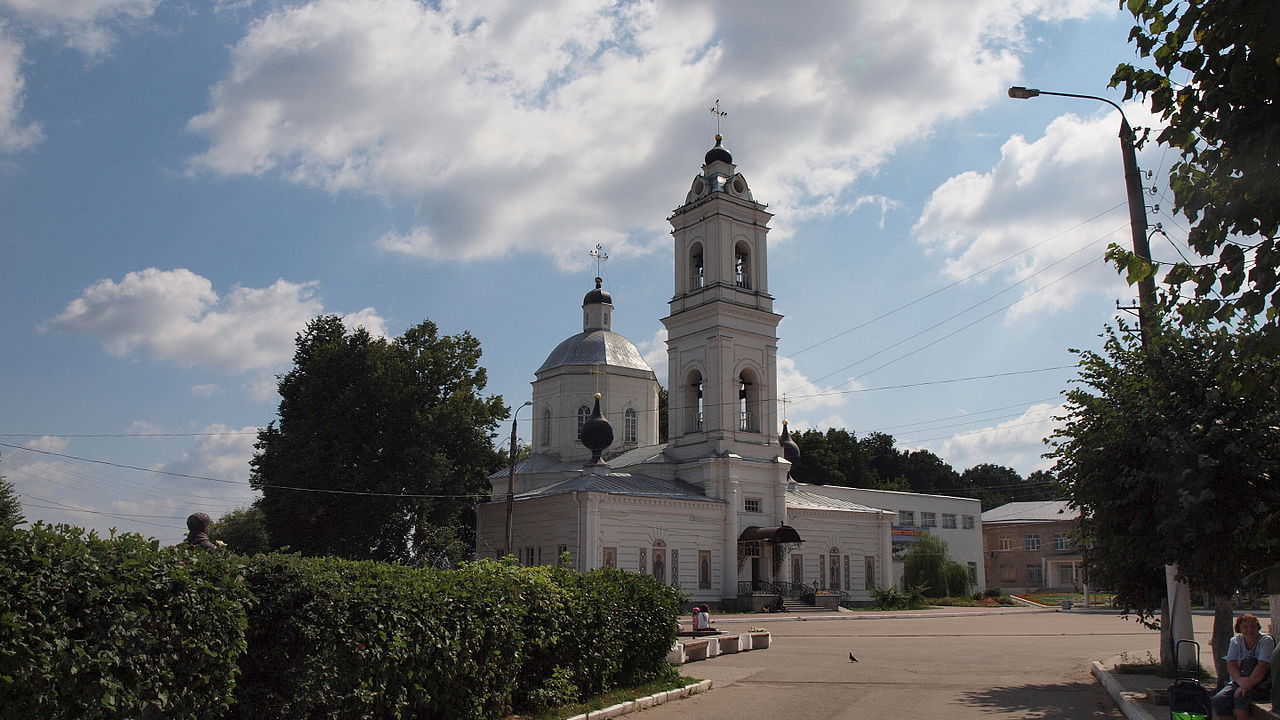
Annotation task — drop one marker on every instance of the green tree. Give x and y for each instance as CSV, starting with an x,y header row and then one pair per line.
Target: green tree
x,y
382,447
927,565
10,506
1216,88
243,530
926,472
835,457
1171,453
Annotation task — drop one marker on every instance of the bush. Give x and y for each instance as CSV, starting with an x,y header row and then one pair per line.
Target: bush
x,y
94,628
926,564
118,627
894,598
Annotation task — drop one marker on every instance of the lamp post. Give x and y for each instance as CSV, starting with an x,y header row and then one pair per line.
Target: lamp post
x,y
1137,207
1178,592
511,474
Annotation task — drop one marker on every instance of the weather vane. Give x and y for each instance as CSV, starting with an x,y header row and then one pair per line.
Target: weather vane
x,y
715,110
600,255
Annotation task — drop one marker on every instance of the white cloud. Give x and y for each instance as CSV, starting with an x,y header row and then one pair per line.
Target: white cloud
x,y
1017,443
1039,191
90,26
222,452
176,316
654,352
206,390
15,133
551,126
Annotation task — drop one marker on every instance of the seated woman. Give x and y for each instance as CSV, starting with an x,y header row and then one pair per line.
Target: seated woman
x,y
702,619
1249,664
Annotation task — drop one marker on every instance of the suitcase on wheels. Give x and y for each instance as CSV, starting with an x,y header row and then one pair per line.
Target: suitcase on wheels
x,y
1188,700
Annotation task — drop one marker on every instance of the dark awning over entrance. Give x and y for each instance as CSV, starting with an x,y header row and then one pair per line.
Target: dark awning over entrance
x,y
779,534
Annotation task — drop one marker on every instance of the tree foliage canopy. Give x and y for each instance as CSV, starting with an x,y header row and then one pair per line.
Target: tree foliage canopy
x,y
927,565
372,419
1171,453
10,506
839,457
1216,85
243,530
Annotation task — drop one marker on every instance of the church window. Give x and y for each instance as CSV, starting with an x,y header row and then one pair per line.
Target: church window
x,y
752,505
748,402
629,426
609,557
704,569
546,427
693,402
697,270
742,266
660,561
584,414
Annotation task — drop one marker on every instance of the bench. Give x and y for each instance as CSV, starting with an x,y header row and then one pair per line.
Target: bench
x,y
697,650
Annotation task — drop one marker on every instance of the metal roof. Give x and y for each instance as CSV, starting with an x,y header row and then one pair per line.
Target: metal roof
x,y
596,347
1032,511
616,483
813,501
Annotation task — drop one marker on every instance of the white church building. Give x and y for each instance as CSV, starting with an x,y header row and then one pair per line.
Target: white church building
x,y
713,510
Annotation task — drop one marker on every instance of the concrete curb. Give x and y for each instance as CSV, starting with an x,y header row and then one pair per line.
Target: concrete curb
x,y
1122,701
762,619
631,706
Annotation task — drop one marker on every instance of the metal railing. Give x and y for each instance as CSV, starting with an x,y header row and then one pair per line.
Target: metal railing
x,y
794,590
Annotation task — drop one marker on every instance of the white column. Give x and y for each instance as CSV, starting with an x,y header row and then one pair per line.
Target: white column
x,y
886,551
733,501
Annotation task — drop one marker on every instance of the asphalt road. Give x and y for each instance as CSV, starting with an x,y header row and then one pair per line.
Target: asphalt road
x,y
1029,664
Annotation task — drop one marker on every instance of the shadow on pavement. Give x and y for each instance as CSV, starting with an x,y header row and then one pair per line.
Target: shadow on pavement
x,y
1074,700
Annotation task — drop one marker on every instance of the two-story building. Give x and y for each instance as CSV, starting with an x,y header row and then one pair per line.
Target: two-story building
x,y
1030,546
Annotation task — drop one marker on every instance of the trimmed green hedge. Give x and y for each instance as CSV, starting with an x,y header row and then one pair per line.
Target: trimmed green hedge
x,y
124,628
119,627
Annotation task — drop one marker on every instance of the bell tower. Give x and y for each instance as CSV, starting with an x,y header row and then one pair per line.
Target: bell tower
x,y
722,331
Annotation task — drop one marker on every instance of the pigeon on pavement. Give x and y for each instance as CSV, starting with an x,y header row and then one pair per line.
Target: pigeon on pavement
x,y
852,658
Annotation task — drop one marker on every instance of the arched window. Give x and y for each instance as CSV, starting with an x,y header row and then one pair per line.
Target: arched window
x,y
629,426
546,427
697,269
693,402
742,265
748,402
584,414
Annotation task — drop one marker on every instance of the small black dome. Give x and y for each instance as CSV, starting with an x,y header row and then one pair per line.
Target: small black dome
x,y
598,296
718,152
597,433
790,450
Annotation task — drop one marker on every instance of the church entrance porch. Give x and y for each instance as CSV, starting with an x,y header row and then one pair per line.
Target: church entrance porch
x,y
762,552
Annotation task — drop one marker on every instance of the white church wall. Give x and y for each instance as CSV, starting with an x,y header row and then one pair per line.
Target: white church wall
x,y
540,528
630,525
858,538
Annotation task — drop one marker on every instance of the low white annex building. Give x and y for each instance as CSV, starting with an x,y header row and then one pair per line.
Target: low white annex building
x,y
713,510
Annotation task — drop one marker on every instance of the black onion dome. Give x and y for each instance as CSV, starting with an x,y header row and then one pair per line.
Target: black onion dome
x,y
598,296
790,450
719,152
597,433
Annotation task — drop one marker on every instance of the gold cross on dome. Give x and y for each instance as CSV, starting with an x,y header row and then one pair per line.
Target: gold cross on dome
x,y
715,110
600,255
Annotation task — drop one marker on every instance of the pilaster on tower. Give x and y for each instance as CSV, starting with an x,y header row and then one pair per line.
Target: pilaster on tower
x,y
722,331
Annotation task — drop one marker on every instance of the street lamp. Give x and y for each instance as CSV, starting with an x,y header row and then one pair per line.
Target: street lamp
x,y
511,474
1137,207
1178,592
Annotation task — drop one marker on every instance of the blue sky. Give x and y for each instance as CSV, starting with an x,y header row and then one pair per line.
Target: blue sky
x,y
184,184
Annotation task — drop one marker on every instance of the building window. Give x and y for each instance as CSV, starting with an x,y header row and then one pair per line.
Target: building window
x,y
1006,542
1031,541
928,519
748,402
697,272
561,552
973,572
751,505
546,427
584,413
949,521
742,266
693,402
528,556
704,569
907,517
610,557
1006,574
629,426
1035,575
966,521
1061,542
